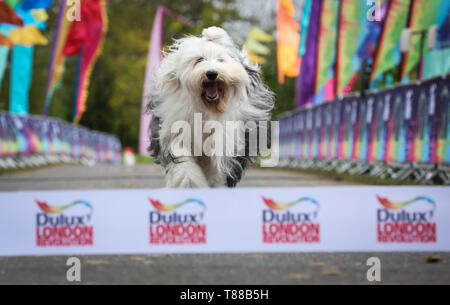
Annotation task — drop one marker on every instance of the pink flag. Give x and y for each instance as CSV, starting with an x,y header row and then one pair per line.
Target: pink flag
x,y
153,59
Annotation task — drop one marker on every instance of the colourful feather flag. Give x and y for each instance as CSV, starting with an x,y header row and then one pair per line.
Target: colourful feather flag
x,y
288,41
255,39
425,13
326,51
35,4
154,57
5,45
12,3
256,59
92,28
5,41
254,45
305,80
39,14
82,39
388,54
8,15
374,26
437,63
351,34
56,69
304,24
27,36
24,39
21,62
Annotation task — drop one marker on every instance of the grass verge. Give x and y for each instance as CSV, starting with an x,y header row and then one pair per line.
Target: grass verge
x,y
143,160
360,179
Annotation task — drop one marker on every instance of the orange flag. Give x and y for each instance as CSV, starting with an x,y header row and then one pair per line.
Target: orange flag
x,y
288,41
8,15
4,41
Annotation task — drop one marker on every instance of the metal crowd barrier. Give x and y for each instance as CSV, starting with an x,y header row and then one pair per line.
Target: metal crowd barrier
x,y
399,133
28,141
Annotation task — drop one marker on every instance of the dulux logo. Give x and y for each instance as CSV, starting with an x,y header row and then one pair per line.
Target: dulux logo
x,y
396,224
274,215
395,212
49,218
283,226
53,228
169,227
162,214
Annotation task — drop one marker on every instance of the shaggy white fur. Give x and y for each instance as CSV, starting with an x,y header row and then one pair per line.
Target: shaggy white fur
x,y
205,75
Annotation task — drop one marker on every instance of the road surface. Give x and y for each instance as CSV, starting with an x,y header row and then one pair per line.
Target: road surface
x,y
140,176
227,269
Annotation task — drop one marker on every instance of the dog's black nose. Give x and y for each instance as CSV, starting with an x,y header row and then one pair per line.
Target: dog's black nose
x,y
212,75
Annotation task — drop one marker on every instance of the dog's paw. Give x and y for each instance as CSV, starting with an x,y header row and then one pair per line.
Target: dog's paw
x,y
186,175
189,184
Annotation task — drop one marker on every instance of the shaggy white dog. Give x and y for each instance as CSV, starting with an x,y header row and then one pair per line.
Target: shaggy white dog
x,y
205,75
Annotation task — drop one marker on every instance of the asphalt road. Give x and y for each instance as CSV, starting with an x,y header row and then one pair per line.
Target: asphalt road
x,y
227,269
140,176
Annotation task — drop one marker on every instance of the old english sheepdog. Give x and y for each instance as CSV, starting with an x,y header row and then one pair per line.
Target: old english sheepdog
x,y
207,77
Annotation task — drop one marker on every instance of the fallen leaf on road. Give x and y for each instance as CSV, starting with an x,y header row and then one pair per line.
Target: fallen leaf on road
x,y
96,262
331,272
299,276
433,259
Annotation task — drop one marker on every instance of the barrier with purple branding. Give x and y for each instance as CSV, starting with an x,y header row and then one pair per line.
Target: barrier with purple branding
x,y
404,124
224,220
33,135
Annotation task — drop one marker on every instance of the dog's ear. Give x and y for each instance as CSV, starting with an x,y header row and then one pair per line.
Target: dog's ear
x,y
259,94
170,82
165,79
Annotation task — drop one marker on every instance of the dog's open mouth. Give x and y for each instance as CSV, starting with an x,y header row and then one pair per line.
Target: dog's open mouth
x,y
212,90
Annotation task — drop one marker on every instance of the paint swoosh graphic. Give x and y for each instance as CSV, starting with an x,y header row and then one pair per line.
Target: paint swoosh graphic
x,y
391,205
171,207
51,209
284,206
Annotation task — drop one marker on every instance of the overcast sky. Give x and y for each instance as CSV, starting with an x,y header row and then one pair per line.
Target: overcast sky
x,y
260,13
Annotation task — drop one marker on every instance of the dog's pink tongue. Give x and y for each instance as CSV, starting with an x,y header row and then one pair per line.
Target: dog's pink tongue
x,y
211,89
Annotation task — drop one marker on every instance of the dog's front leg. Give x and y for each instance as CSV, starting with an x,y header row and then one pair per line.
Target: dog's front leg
x,y
185,173
182,171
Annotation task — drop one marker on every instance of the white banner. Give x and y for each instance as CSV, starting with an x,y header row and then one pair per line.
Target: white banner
x,y
225,220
